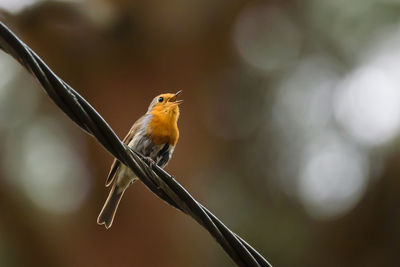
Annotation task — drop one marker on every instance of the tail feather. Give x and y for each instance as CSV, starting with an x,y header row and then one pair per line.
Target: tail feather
x,y
109,209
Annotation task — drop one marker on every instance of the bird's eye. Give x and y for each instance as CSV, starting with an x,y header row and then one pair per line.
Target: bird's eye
x,y
160,99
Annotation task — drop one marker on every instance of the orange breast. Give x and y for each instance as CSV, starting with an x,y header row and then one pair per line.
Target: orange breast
x,y
163,129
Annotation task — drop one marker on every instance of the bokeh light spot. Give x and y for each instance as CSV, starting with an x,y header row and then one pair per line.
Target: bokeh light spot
x,y
15,6
333,177
44,165
303,98
266,38
367,104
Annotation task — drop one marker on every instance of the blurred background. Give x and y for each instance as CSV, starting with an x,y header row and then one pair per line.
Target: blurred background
x,y
289,130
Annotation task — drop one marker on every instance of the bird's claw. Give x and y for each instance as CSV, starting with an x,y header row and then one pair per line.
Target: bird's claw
x,y
150,161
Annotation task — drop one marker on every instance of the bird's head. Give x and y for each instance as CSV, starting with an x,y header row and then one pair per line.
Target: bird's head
x,y
165,104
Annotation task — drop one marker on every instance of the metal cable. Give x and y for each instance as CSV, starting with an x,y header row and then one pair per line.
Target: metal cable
x,y
156,179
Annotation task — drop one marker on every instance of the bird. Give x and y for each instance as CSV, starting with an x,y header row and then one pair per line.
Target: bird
x,y
155,136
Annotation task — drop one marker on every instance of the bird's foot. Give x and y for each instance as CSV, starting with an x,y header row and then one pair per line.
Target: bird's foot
x,y
150,161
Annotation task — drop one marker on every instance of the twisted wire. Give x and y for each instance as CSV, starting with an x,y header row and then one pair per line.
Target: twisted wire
x,y
156,179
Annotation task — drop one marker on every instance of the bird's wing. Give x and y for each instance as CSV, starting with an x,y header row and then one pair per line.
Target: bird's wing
x,y
115,165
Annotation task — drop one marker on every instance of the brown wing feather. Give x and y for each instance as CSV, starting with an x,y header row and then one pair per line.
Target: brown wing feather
x,y
115,165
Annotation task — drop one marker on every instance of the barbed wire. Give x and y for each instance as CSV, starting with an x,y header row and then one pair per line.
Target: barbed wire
x,y
156,179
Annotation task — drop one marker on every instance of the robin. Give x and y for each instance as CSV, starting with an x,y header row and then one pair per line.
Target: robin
x,y
154,135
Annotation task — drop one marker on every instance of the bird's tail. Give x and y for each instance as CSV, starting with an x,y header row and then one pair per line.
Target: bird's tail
x,y
107,213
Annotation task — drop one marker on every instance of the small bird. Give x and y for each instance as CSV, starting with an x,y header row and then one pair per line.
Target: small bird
x,y
155,136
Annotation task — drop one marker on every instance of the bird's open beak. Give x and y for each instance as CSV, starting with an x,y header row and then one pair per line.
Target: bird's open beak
x,y
175,96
